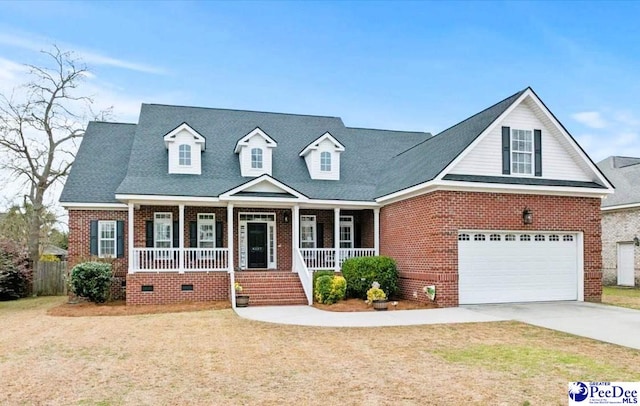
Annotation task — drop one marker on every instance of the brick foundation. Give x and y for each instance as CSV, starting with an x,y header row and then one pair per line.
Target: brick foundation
x,y
167,287
421,234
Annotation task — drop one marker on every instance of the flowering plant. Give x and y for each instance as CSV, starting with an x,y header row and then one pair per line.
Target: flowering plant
x,y
375,293
238,287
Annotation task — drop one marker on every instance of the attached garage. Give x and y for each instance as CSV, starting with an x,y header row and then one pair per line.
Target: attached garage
x,y
503,267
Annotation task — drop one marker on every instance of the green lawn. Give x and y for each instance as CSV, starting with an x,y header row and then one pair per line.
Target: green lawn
x,y
621,296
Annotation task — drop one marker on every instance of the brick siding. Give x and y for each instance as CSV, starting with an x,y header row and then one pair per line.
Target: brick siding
x,y
421,234
167,287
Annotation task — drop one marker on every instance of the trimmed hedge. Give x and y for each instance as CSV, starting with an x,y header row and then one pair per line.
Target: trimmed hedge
x,y
91,280
361,272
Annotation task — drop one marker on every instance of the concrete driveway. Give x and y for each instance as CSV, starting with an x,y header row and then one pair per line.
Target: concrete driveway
x,y
611,324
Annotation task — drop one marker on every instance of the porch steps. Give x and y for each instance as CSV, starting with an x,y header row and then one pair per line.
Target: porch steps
x,y
271,288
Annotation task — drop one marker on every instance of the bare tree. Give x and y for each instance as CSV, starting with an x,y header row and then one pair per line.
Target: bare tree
x,y
40,123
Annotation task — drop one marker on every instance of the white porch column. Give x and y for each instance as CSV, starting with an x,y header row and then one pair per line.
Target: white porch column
x,y
376,230
230,236
295,223
336,238
181,238
130,238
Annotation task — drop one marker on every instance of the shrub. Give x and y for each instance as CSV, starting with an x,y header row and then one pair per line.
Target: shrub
x,y
15,276
323,287
361,272
318,274
91,280
338,289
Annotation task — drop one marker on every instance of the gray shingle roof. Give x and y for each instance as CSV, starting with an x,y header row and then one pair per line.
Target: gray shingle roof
x,y
624,173
523,181
147,171
423,162
100,164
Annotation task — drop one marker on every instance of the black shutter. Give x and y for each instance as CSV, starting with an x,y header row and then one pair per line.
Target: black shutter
x,y
149,234
537,148
320,235
219,234
357,235
193,234
93,237
506,150
120,239
176,234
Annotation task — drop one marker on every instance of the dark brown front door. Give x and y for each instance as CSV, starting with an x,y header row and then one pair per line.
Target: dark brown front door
x,y
257,245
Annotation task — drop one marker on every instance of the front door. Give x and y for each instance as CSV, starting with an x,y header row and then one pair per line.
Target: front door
x,y
257,245
625,264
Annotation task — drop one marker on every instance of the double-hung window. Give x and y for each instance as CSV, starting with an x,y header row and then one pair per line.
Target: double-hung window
x,y
325,161
184,155
522,152
256,158
307,231
346,232
206,230
163,231
107,239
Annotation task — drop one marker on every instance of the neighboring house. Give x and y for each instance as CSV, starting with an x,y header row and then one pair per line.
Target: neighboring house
x,y
621,222
58,252
502,207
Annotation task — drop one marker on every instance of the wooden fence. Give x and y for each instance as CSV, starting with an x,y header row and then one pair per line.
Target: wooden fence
x,y
50,278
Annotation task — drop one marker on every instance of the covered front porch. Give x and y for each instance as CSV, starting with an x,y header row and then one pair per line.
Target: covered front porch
x,y
235,238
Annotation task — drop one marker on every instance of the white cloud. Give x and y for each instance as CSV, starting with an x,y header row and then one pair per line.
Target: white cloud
x,y
90,57
591,119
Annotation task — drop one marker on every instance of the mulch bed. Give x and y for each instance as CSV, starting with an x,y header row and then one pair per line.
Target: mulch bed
x,y
358,305
119,308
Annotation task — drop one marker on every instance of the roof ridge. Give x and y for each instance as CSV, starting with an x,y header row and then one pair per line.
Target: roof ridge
x,y
111,122
386,129
240,110
465,120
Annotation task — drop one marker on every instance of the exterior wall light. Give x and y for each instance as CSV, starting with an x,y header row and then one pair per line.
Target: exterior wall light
x,y
527,216
285,218
636,241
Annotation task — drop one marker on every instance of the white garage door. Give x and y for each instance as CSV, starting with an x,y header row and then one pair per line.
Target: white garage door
x,y
503,267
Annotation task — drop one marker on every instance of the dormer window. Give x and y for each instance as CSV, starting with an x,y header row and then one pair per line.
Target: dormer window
x,y
256,158
184,145
255,152
522,152
322,157
325,161
184,155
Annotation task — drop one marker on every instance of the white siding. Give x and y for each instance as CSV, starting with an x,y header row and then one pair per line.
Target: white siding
x,y
184,137
257,141
313,162
559,160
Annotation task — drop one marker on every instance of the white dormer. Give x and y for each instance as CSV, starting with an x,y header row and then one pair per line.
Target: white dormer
x,y
323,158
255,151
184,145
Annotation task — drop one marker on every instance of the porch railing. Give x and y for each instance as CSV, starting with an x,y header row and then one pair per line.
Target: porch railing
x,y
305,275
168,259
324,258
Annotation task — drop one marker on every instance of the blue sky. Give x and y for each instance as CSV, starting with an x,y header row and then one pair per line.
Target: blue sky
x,y
411,66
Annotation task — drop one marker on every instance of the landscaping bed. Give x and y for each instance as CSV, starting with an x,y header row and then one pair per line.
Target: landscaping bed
x,y
358,305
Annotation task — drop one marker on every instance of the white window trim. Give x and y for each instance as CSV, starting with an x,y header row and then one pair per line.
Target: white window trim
x,y
259,163
156,221
322,164
206,221
347,223
305,220
515,151
102,223
187,157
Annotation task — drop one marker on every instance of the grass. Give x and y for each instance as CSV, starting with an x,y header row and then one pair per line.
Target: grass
x,y
214,357
621,296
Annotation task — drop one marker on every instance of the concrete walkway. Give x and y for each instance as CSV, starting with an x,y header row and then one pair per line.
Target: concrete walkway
x,y
610,324
310,316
